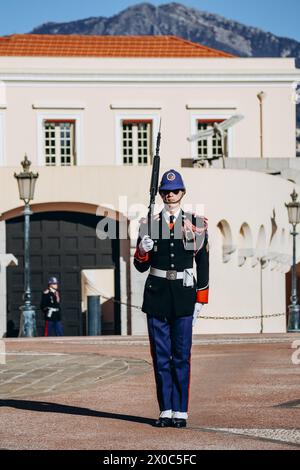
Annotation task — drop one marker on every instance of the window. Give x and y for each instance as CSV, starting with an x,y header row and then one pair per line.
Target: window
x,y
212,146
136,142
59,142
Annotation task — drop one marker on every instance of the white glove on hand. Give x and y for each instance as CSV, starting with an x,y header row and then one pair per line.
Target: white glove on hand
x,y
197,311
146,244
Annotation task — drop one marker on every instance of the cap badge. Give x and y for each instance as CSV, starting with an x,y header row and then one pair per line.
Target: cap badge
x,y
171,177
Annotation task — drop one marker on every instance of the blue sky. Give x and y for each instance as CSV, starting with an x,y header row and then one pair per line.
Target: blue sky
x,y
280,17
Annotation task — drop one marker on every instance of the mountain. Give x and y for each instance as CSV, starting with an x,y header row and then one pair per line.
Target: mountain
x,y
189,23
175,19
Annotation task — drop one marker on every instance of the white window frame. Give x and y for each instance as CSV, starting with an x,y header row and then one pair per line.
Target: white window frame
x,y
2,138
194,130
135,129
41,136
133,117
58,129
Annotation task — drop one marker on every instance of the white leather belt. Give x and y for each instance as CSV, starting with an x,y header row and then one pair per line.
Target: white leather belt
x,y
170,275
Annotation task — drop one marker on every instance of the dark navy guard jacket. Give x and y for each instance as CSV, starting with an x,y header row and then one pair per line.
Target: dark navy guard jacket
x,y
49,300
174,250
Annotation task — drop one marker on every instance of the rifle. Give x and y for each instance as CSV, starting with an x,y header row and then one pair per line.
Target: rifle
x,y
154,180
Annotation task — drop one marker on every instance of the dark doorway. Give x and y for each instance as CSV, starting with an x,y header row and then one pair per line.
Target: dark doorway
x,y
61,244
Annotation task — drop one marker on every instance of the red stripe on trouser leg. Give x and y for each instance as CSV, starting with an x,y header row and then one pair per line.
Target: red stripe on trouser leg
x,y
46,328
190,366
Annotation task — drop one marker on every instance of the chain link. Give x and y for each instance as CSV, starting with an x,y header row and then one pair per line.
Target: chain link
x,y
245,317
121,303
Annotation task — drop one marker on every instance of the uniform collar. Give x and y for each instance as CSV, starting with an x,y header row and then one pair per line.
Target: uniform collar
x,y
167,214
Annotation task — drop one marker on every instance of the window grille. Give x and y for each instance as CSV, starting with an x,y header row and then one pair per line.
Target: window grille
x,y
136,142
59,142
212,146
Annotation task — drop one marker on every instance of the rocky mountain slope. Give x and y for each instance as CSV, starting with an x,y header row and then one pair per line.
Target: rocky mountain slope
x,y
176,19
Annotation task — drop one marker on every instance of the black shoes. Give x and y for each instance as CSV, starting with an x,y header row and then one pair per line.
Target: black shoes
x,y
178,423
168,422
163,423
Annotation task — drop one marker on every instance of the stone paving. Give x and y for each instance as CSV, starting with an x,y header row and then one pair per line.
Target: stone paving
x,y
99,393
30,374
291,436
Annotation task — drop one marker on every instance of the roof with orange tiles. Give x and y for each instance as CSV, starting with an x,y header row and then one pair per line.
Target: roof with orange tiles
x,y
49,45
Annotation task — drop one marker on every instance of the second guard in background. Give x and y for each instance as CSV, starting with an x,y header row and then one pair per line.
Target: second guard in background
x,y
50,305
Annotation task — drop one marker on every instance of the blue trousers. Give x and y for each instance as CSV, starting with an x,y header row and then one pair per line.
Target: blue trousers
x,y
171,343
56,325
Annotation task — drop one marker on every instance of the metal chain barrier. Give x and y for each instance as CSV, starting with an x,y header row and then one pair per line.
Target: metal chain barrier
x,y
203,317
250,317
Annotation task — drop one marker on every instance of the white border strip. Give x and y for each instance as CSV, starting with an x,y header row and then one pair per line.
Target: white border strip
x,y
212,106
58,106
286,78
134,106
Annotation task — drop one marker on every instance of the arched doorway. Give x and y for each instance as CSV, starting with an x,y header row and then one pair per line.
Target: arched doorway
x,y
62,243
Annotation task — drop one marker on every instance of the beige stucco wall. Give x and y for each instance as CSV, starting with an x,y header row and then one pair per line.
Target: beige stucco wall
x,y
231,195
100,91
98,123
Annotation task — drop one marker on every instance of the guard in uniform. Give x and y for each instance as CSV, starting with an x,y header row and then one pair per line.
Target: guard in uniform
x,y
50,305
173,298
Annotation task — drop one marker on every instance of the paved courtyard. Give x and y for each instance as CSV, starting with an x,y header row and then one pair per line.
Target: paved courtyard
x,y
99,393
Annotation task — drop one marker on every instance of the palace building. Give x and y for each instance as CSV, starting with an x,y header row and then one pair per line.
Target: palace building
x,y
86,111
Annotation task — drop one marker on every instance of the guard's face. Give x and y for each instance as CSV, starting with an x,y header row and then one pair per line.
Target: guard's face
x,y
54,286
172,197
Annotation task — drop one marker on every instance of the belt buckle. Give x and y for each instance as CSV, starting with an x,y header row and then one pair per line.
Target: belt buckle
x,y
171,275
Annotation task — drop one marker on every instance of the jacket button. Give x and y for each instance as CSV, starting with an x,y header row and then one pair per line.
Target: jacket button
x,y
172,244
172,266
172,255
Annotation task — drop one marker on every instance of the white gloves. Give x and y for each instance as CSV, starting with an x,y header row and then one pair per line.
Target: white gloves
x,y
146,244
197,311
50,311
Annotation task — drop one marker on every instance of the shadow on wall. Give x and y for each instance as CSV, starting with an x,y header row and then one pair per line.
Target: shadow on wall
x,y
227,244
